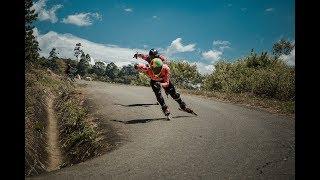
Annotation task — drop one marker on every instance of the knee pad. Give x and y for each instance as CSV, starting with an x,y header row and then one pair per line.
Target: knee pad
x,y
177,96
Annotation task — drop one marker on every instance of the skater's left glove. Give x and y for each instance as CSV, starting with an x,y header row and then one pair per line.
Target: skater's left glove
x,y
135,66
158,84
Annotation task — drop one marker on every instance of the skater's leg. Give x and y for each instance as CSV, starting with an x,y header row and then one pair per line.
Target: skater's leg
x,y
157,91
175,95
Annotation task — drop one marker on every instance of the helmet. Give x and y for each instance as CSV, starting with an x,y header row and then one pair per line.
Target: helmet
x,y
156,65
153,52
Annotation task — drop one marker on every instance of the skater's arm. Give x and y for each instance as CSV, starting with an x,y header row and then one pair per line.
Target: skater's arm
x,y
166,76
141,67
142,56
164,59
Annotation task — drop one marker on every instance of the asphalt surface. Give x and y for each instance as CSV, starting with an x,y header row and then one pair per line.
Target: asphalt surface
x,y
225,141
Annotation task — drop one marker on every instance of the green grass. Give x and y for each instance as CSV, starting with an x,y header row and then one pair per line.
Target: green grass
x,y
79,137
269,104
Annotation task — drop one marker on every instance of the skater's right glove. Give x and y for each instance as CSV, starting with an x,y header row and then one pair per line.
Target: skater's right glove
x,y
157,84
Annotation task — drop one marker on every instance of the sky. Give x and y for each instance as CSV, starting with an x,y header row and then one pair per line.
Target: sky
x,y
198,31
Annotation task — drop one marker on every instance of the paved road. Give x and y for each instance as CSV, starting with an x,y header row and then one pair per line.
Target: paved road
x,y
225,141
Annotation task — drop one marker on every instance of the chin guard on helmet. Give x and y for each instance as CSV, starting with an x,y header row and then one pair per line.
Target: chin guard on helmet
x,y
156,66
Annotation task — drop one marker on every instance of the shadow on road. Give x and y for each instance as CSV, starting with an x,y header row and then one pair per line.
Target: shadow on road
x,y
133,105
135,121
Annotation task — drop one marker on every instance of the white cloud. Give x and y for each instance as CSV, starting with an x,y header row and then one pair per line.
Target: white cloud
x,y
154,17
81,19
221,44
128,9
177,46
35,32
204,68
244,9
92,61
46,14
65,43
289,59
212,55
270,9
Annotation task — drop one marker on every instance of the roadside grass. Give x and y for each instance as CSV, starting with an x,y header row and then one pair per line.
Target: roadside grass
x,y
271,105
37,86
77,134
80,138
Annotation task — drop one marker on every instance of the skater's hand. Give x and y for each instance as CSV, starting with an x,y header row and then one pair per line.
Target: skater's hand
x,y
158,84
135,66
135,55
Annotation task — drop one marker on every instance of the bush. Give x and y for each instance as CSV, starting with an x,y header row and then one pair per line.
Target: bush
x,y
184,75
142,80
258,74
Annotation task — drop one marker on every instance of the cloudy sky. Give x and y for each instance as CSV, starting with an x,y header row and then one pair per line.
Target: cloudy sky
x,y
201,32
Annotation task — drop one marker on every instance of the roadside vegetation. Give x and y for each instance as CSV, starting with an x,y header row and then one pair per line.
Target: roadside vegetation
x,y
80,138
46,81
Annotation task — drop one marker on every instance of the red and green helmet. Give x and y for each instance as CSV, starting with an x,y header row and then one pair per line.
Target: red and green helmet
x,y
156,65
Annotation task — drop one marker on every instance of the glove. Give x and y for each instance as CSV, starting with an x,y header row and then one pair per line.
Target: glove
x,y
135,55
135,66
158,84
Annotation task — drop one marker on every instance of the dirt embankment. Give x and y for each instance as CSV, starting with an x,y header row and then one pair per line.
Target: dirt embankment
x,y
42,151
54,151
79,134
59,129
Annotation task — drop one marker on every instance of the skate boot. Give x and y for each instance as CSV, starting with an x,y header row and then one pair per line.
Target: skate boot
x,y
183,107
166,112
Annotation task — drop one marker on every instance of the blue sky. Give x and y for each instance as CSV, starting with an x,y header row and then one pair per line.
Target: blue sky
x,y
200,31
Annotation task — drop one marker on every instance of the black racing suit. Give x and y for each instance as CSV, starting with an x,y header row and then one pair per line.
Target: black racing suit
x,y
169,90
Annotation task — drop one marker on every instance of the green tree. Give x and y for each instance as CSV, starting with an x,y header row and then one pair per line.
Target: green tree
x,y
78,51
282,47
83,65
31,44
99,68
258,61
142,80
128,74
53,54
184,74
52,60
112,71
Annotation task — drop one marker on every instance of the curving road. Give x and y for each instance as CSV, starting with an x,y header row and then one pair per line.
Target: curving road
x,y
225,141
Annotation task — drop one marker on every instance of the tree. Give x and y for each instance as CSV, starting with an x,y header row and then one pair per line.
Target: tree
x,y
78,51
112,71
53,54
99,68
88,58
128,71
258,61
128,74
184,74
52,60
83,65
282,47
31,44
